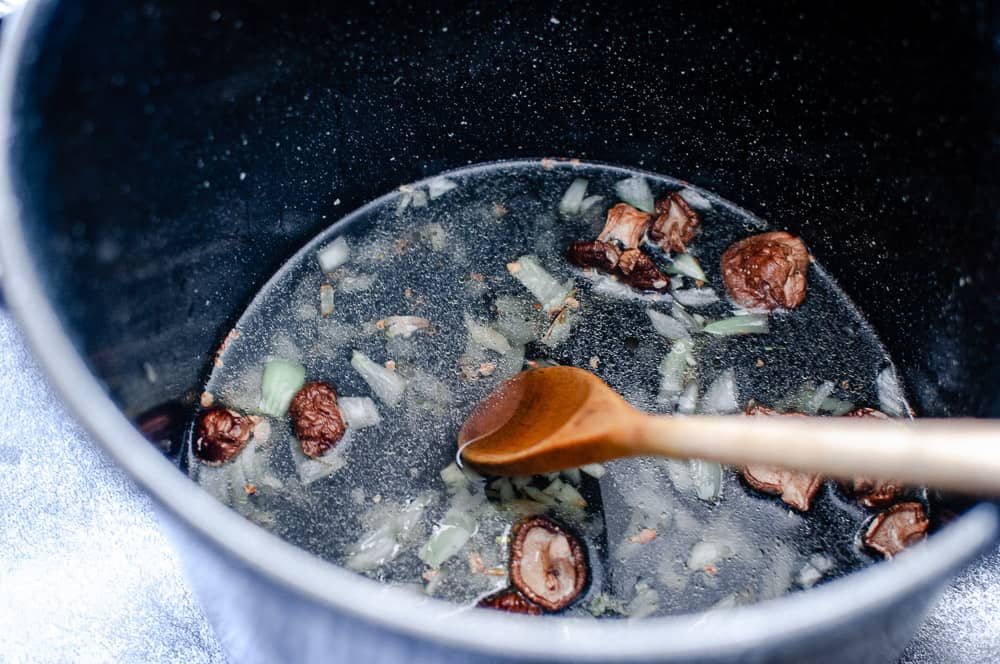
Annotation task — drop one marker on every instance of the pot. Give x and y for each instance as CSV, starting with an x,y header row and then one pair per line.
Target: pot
x,y
163,159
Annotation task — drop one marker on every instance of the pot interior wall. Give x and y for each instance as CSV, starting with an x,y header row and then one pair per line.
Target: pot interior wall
x,y
169,156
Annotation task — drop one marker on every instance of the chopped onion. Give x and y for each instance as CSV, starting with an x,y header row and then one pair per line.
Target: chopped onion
x,y
334,254
325,300
836,407
721,396
449,536
436,236
486,336
355,283
281,380
504,488
696,297
813,570
419,198
706,553
687,403
748,324
707,477
454,477
635,191
688,265
572,475
403,326
595,470
538,496
690,322
573,198
694,198
310,469
814,403
668,327
672,369
440,186
565,494
385,542
890,394
547,290
645,603
404,200
516,320
589,202
387,385
360,412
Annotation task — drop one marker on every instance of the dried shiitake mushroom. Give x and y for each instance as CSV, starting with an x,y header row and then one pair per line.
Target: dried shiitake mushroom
x,y
547,564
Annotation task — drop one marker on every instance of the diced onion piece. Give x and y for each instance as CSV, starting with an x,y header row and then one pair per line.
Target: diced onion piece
x,y
435,235
311,469
440,186
573,198
706,553
645,603
635,191
748,324
890,394
449,536
687,403
547,290
696,297
516,320
403,326
419,198
504,488
707,477
453,476
814,403
486,336
572,475
836,407
666,326
589,202
672,369
385,541
325,300
721,396
334,254
565,494
404,200
689,266
694,198
360,412
355,283
595,470
538,496
387,385
281,380
690,322
813,570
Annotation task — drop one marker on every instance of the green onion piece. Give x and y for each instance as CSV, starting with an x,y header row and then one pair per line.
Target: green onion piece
x,y
635,191
282,379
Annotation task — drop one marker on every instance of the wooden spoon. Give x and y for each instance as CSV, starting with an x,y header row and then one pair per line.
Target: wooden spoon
x,y
554,418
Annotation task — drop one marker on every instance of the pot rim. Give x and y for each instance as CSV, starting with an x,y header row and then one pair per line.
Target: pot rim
x,y
282,563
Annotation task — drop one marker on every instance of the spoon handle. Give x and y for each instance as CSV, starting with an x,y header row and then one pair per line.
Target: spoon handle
x,y
957,454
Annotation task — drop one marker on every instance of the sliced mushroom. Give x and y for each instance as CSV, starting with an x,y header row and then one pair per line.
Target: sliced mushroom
x,y
674,223
868,491
766,271
317,419
511,601
547,564
640,272
625,225
221,434
796,488
900,526
600,255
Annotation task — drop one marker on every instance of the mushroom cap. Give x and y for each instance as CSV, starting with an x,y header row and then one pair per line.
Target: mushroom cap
x,y
548,564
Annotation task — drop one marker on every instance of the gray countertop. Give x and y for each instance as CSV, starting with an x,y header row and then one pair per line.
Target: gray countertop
x,y
87,576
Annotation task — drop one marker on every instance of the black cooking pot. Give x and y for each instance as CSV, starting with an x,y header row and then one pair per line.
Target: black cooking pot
x,y
163,159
